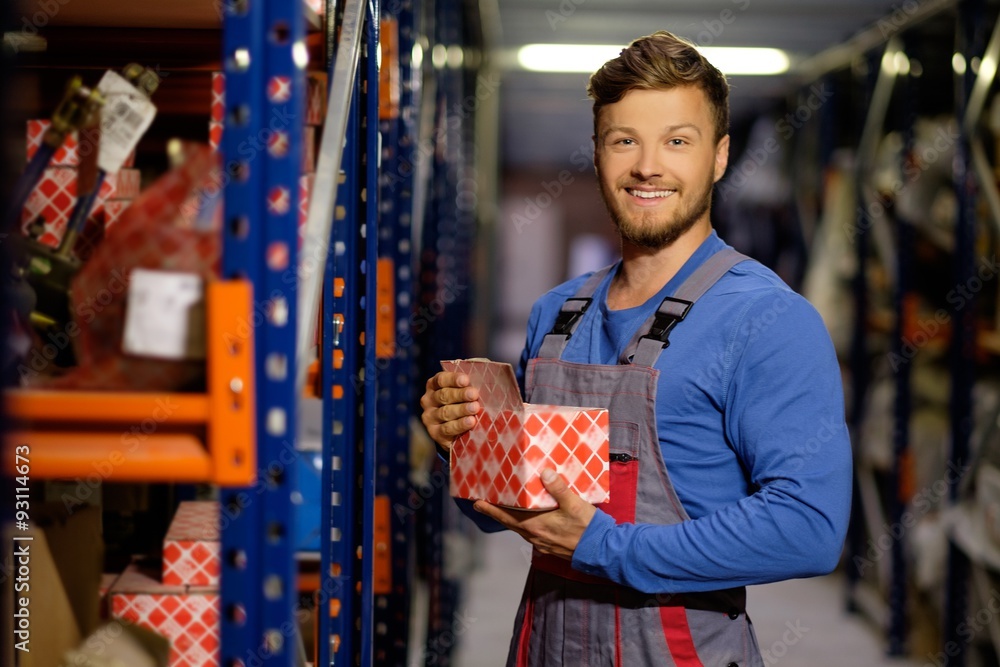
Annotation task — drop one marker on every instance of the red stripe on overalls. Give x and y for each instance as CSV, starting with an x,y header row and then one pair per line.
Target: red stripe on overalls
x,y
524,640
678,635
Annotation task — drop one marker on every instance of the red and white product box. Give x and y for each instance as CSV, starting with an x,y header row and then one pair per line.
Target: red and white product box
x,y
123,185
308,149
55,196
218,96
68,154
112,211
52,199
186,615
315,98
191,547
306,182
214,134
501,459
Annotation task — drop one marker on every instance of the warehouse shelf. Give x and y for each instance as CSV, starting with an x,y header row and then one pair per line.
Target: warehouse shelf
x,y
204,437
178,14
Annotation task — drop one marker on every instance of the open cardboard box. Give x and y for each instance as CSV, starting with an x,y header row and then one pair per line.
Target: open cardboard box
x,y
501,459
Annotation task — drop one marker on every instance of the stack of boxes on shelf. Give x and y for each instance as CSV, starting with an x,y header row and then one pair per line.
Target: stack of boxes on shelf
x,y
274,139
183,605
54,197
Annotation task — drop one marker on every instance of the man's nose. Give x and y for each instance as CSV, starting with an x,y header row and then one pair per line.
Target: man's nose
x,y
647,165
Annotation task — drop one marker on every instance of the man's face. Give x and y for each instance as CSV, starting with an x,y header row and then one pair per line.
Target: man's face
x,y
657,160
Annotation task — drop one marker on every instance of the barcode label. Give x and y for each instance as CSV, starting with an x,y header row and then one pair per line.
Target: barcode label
x,y
123,113
126,116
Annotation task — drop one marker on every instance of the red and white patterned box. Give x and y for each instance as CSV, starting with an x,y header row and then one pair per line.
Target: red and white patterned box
x,y
306,182
191,547
501,459
218,96
214,134
315,98
112,211
55,196
123,185
66,155
309,149
187,616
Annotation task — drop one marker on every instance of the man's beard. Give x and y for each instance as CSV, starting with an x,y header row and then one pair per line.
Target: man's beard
x,y
646,230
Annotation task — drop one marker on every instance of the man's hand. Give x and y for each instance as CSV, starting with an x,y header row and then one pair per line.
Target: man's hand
x,y
449,405
555,532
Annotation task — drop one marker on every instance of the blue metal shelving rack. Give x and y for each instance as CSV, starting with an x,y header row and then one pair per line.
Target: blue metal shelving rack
x,y
372,222
348,370
262,56
395,366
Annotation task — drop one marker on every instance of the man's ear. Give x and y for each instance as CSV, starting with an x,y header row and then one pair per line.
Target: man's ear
x,y
721,157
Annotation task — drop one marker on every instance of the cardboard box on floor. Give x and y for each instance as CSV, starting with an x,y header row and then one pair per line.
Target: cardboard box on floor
x,y
501,459
66,552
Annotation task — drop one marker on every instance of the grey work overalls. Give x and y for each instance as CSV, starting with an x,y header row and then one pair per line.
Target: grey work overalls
x,y
568,618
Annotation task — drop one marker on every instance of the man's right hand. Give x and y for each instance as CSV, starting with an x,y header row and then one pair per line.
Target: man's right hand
x,y
449,405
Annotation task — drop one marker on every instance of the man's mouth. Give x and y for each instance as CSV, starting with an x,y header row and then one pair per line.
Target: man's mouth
x,y
649,194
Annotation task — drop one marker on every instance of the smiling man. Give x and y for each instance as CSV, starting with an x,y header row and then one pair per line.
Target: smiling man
x,y
716,375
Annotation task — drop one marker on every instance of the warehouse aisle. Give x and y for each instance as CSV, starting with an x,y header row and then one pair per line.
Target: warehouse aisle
x,y
799,623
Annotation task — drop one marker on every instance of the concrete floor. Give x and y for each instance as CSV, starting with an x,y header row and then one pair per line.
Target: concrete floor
x,y
827,637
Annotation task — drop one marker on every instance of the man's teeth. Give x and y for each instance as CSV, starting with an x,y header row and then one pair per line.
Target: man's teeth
x,y
642,194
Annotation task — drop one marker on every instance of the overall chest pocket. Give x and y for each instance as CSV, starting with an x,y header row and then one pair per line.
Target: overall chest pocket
x,y
624,463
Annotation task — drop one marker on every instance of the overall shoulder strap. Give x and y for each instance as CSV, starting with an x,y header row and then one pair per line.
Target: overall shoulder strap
x,y
570,315
652,337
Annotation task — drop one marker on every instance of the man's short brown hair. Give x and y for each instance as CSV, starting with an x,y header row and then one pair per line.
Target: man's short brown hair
x,y
661,61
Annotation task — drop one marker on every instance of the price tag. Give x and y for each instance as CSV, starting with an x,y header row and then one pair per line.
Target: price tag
x,y
165,315
126,116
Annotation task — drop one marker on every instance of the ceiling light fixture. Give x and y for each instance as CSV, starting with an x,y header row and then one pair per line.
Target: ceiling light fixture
x,y
732,61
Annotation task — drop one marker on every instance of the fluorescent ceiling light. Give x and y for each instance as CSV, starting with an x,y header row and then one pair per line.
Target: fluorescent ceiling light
x,y
589,57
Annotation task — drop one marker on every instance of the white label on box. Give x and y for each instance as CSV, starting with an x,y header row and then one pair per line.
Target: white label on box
x,y
165,315
126,116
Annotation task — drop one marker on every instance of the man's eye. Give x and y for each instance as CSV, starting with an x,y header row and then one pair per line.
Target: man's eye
x,y
625,142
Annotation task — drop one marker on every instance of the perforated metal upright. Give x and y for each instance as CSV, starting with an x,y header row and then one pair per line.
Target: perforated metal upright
x,y
348,375
263,61
445,296
398,127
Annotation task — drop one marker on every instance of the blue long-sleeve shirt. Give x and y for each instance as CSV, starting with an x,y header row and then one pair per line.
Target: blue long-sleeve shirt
x,y
750,420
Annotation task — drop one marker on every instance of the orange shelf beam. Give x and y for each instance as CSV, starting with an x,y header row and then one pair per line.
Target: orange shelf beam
x,y
206,437
80,407
166,458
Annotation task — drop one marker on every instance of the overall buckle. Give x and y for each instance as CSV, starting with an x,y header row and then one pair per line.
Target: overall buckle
x,y
670,312
567,319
